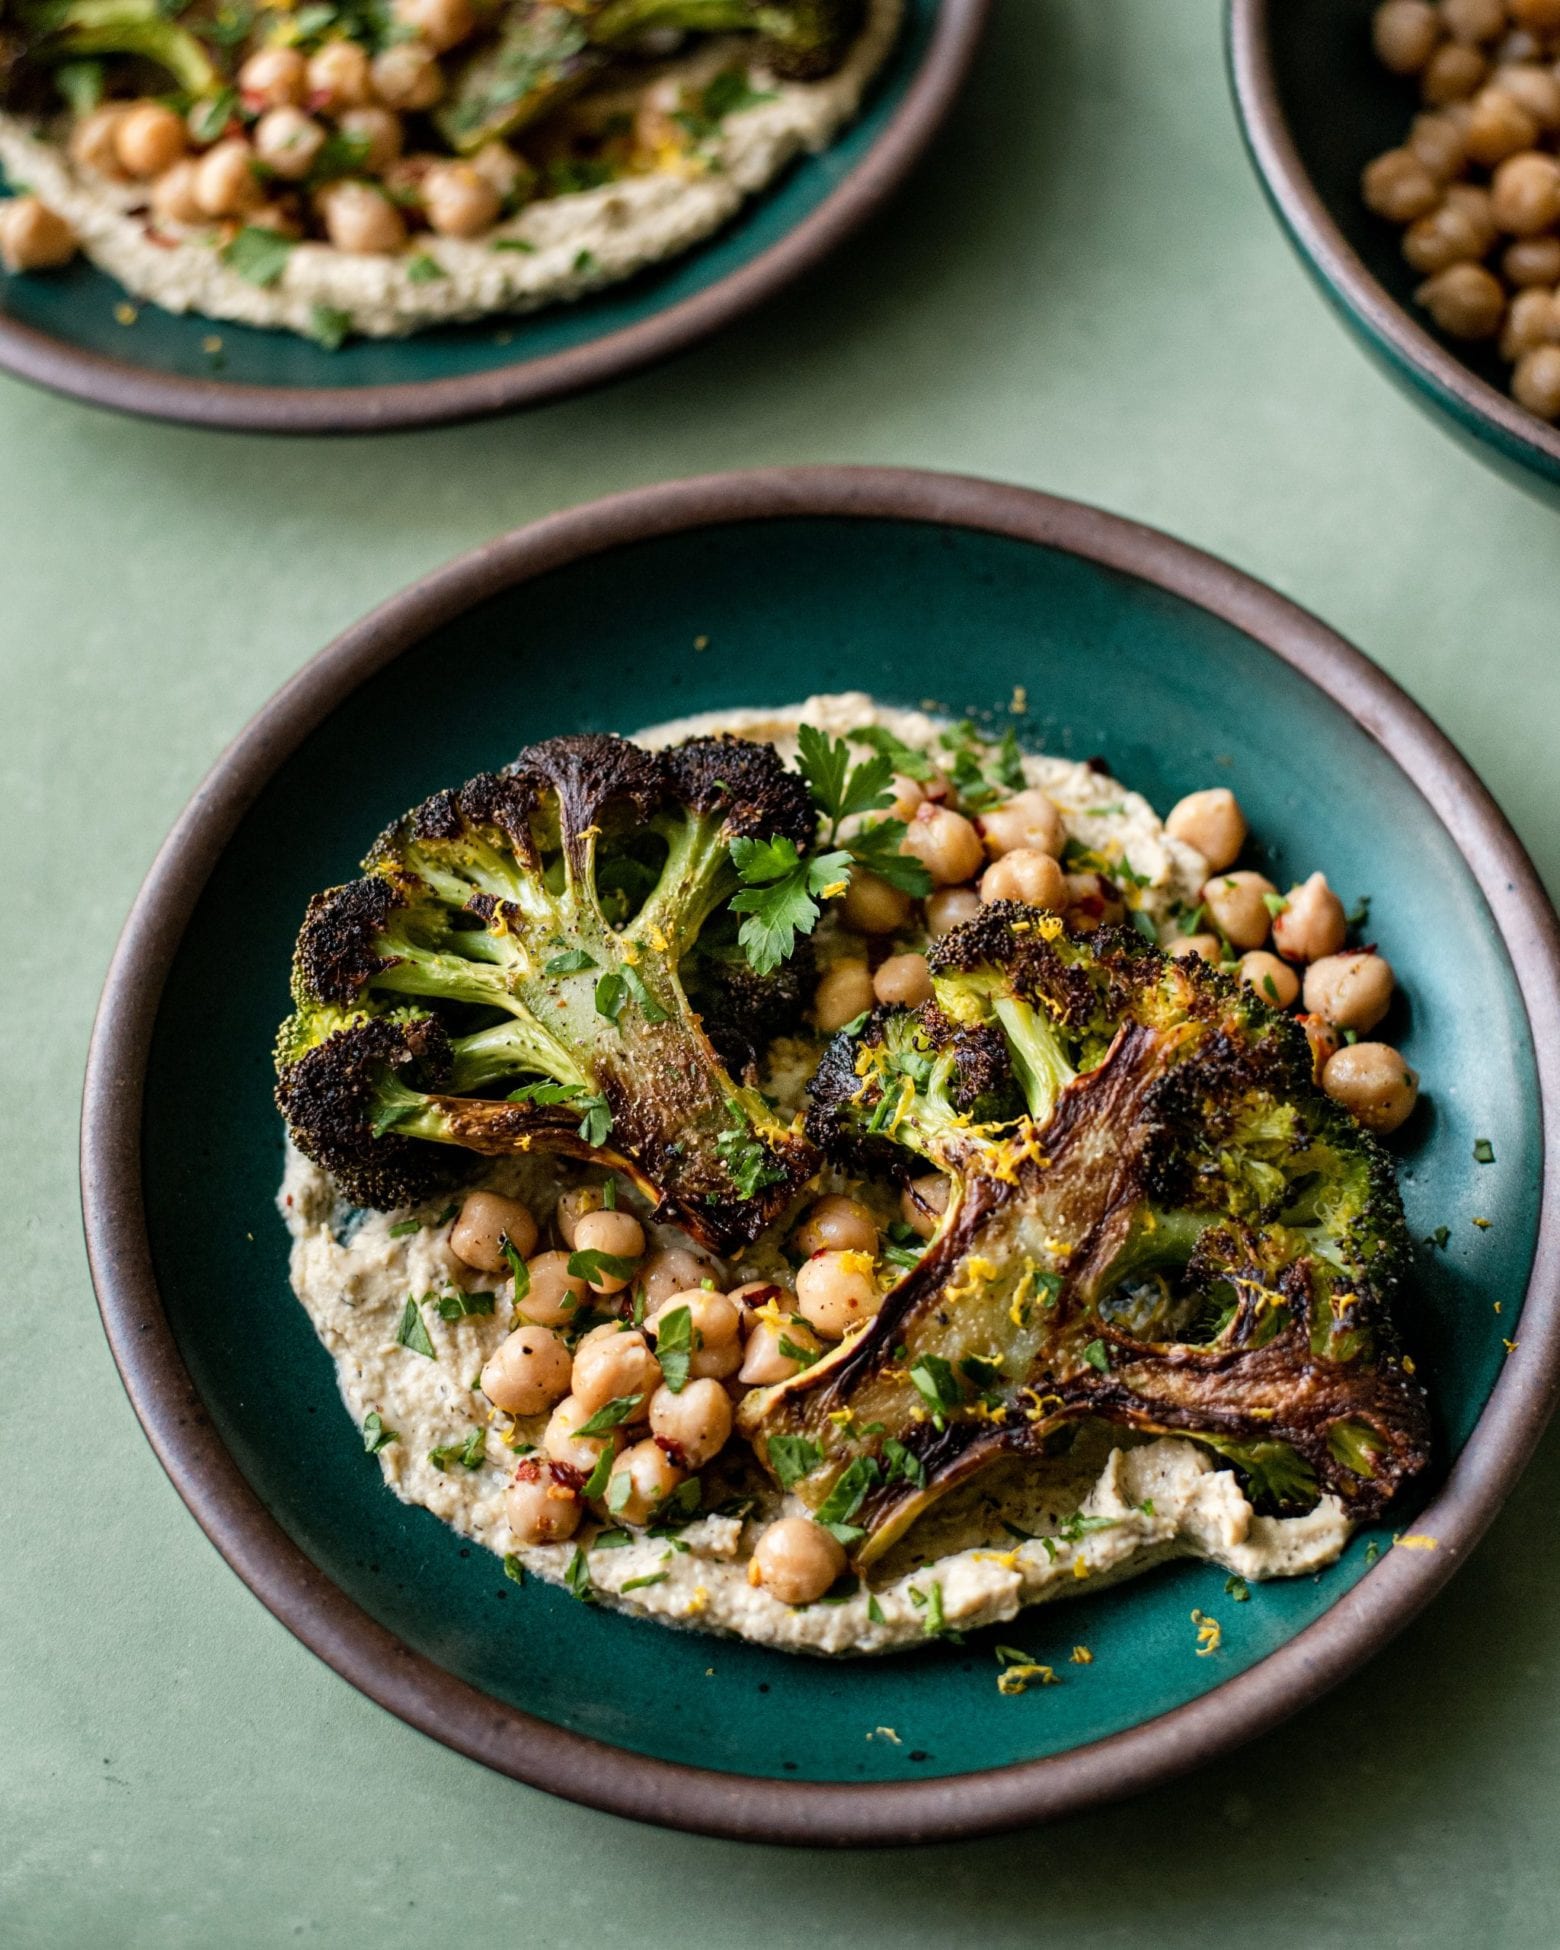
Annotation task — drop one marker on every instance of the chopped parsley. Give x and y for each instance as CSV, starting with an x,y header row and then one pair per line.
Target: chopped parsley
x,y
514,1570
750,1165
512,244
777,898
640,1584
456,1305
591,1265
1097,1356
875,1610
1439,1237
936,1383
792,1457
1237,1588
601,1474
577,1578
413,1330
846,1498
904,758
81,84
584,261
573,962
611,1416
424,269
375,1435
1483,1152
468,1454
612,1540
207,119
258,256
674,1346
406,1228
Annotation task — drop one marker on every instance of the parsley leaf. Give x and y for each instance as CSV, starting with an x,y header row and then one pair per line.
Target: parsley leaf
x,y
329,327
601,1474
611,994
875,849
413,1330
520,1272
846,1498
577,1578
792,1457
468,1454
406,1228
936,1382
904,758
639,1584
777,896
258,256
611,1416
375,1435
1483,1152
674,1346
596,1124
545,1094
841,789
750,1165
514,1570
456,1305
590,1263
1097,1356
424,269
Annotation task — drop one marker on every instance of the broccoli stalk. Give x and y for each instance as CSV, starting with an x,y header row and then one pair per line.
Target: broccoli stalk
x,y
1156,1219
507,975
546,51
87,28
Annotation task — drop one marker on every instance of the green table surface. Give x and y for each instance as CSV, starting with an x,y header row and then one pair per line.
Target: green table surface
x,y
1082,290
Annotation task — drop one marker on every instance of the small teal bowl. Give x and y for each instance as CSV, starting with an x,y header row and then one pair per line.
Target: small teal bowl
x,y
741,590
60,329
1315,106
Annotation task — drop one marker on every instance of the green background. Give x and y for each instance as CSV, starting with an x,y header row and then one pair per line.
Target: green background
x,y
1081,290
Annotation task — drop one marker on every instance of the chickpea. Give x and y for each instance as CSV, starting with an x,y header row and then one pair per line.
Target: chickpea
x,y
541,1506
337,77
837,1224
1351,991
763,1364
527,1372
148,139
511,175
950,908
94,141
909,794
836,1291
1437,141
753,1294
1211,823
642,1479
903,979
1324,1041
1206,947
669,1270
716,1323
611,1362
871,906
1532,260
360,218
225,180
796,1561
1312,922
1406,33
572,1206
443,24
1399,187
1461,231
274,77
379,132
486,1220
1028,822
33,237
843,993
1541,16
173,195
1525,193
1452,74
564,1445
697,1423
1535,383
1238,906
618,1234
923,1202
945,843
275,216
1465,300
1274,980
1498,127
1372,1081
1534,87
1534,319
459,201
1025,875
554,1296
288,142
408,76
1473,20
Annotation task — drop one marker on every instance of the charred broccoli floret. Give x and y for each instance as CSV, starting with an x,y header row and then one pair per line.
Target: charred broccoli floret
x,y
547,51
1155,1218
507,975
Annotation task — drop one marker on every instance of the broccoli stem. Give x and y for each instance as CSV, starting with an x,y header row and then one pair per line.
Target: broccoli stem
x,y
1043,1070
132,27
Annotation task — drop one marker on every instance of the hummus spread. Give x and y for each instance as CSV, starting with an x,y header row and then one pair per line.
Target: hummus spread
x,y
557,248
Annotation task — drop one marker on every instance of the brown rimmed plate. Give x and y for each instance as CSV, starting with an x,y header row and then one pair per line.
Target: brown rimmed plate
x,y
745,589
65,330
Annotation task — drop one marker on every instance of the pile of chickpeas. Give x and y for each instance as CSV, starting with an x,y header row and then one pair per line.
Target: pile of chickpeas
x,y
252,166
1343,992
668,1434
1477,182
1010,853
1290,949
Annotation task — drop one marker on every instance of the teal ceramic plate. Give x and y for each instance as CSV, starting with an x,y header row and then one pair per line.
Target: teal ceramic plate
x,y
61,330
911,586
1315,107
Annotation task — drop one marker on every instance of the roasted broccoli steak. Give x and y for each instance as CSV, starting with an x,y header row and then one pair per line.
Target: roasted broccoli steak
x,y
1155,1218
507,975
